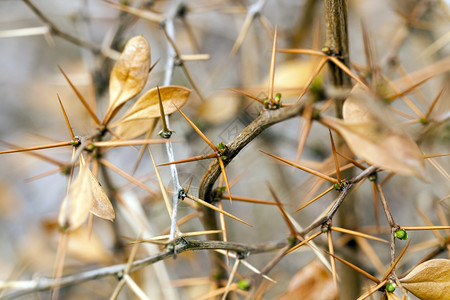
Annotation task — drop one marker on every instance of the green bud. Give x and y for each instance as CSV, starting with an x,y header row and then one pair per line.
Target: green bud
x,y
316,114
90,147
277,99
244,284
373,177
326,50
337,186
65,170
390,287
291,240
401,234
423,121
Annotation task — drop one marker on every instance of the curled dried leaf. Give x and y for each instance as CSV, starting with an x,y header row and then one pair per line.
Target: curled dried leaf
x,y
85,195
429,280
371,133
129,75
101,206
147,106
75,206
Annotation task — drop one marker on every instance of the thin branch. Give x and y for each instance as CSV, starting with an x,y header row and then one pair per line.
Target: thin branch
x,y
183,245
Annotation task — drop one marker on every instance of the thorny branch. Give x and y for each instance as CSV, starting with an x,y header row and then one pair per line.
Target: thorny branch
x,y
56,31
182,245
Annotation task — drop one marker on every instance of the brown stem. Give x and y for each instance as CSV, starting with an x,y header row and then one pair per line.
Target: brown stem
x,y
336,40
56,31
183,245
263,121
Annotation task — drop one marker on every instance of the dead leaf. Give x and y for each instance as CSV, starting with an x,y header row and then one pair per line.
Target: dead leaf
x,y
129,75
429,280
147,106
85,245
85,195
101,206
371,133
220,107
392,296
310,283
132,129
292,75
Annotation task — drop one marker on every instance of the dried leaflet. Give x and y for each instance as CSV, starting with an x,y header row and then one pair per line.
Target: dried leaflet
x,y
312,282
392,296
132,129
147,106
371,134
429,280
85,195
129,75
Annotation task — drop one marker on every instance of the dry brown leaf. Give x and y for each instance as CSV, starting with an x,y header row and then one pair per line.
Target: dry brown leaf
x,y
310,283
132,129
371,133
86,245
101,206
75,206
291,76
220,107
85,195
129,75
147,106
392,296
429,280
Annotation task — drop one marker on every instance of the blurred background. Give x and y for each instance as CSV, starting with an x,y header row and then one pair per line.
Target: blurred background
x,y
410,34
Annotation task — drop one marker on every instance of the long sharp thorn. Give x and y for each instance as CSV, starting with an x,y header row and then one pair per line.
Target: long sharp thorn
x,y
336,161
372,290
81,98
272,65
251,200
200,133
315,198
304,241
204,203
358,269
302,51
161,185
311,171
55,145
38,155
161,110
190,159
346,70
409,89
425,227
225,178
312,77
396,261
65,117
360,234
189,185
332,261
433,104
283,213
247,95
